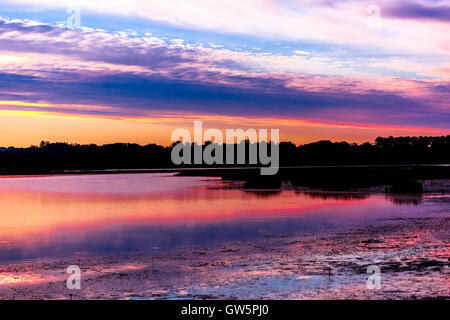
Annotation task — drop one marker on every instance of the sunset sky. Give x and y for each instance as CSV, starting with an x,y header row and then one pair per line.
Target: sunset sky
x,y
133,71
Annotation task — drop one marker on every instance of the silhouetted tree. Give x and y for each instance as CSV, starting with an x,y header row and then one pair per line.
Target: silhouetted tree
x,y
390,150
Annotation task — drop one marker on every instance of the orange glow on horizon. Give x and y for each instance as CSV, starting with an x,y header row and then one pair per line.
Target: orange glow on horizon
x,y
43,121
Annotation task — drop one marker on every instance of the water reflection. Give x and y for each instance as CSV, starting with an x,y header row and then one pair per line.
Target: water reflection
x,y
263,194
406,199
59,216
341,196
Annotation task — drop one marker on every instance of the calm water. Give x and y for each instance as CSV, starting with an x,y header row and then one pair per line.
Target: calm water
x,y
61,216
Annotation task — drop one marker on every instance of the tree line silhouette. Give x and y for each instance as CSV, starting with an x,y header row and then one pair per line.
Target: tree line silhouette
x,y
65,156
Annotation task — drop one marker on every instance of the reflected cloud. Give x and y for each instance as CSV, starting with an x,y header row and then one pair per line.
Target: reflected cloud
x,y
59,216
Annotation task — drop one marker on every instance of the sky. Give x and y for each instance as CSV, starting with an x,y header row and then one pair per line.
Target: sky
x,y
109,71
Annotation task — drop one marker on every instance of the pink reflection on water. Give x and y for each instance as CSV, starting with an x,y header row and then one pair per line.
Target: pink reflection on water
x,y
39,204
50,208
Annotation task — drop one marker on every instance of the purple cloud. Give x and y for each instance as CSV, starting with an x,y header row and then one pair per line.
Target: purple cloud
x,y
190,79
415,10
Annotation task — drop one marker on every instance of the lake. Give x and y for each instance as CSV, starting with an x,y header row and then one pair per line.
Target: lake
x,y
78,215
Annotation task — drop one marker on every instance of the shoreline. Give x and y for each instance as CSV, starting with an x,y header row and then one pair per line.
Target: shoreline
x,y
396,179
194,170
